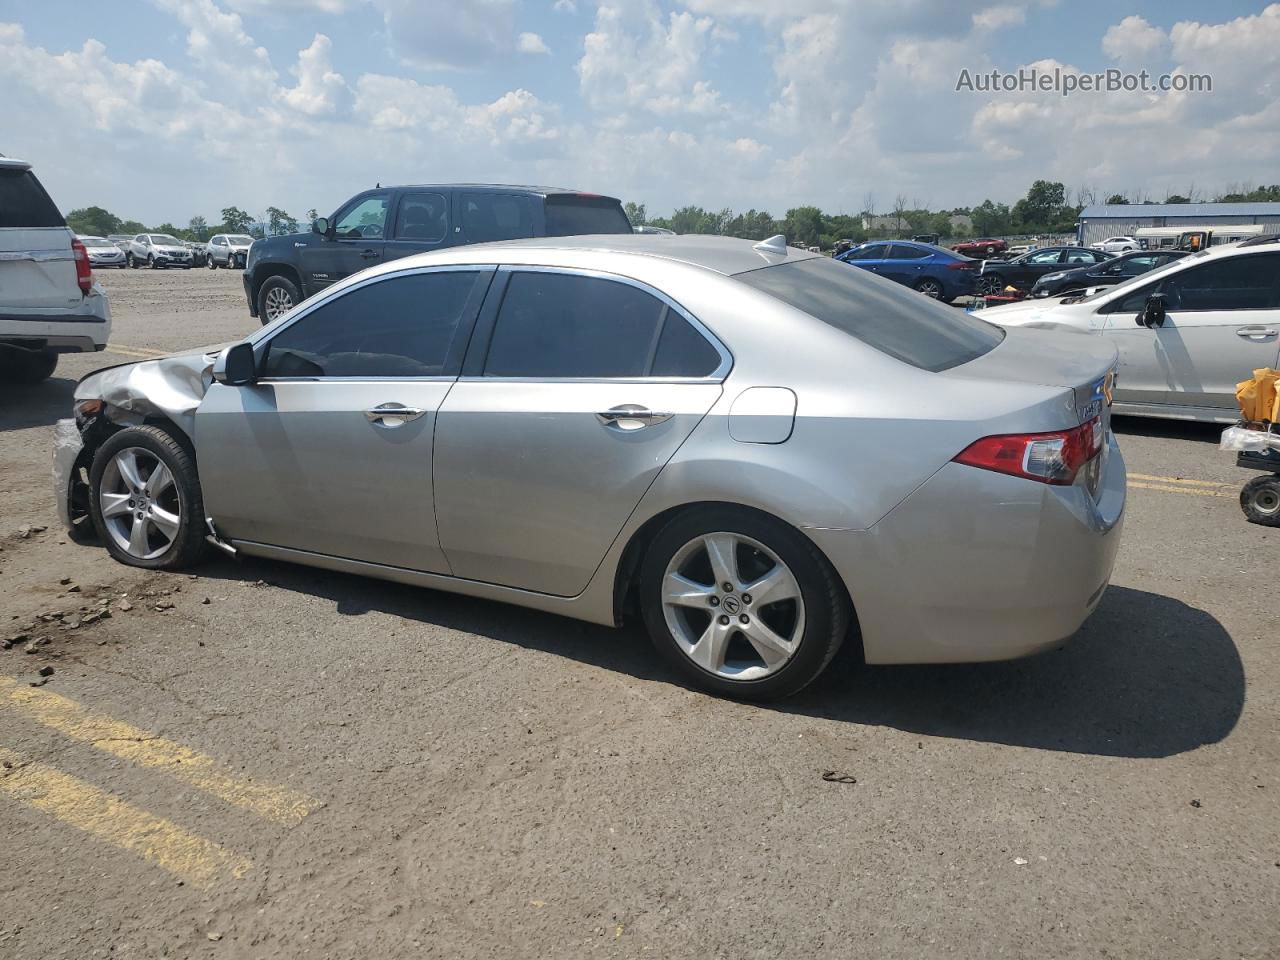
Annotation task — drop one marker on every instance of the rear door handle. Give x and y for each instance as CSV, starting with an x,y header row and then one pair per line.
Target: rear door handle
x,y
631,416
393,414
1255,333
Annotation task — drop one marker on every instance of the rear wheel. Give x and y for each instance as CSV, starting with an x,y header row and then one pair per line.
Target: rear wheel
x,y
145,500
1260,500
27,367
930,288
741,604
131,260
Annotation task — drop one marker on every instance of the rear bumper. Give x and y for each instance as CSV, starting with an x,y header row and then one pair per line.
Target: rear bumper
x,y
84,328
980,566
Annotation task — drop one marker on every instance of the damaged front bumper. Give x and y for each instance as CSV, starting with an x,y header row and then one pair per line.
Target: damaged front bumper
x,y
67,449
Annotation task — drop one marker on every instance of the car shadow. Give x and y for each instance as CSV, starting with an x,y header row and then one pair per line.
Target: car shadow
x,y
1168,429
1147,676
35,405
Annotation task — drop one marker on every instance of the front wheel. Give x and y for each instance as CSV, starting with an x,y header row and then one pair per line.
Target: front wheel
x,y
145,500
741,604
151,261
131,260
277,297
1260,500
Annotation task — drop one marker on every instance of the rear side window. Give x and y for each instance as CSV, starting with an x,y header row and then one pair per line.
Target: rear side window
x,y
900,251
555,325
402,326
23,202
573,215
890,318
495,216
423,217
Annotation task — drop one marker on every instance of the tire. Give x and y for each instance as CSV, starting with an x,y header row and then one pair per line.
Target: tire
x,y
812,619
1260,500
273,295
151,261
991,251
212,264
931,288
131,260
27,367
170,546
990,284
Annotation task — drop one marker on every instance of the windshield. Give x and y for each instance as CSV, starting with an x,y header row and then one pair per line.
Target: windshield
x,y
165,240
892,319
1142,277
240,240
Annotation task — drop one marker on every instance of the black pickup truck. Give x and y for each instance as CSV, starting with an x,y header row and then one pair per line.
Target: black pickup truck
x,y
390,222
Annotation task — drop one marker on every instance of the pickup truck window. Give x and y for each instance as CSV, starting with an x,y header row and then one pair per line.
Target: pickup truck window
x,y
423,217
367,220
496,216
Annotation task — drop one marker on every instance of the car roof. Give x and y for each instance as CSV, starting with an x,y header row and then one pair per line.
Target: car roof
x,y
724,255
490,187
13,163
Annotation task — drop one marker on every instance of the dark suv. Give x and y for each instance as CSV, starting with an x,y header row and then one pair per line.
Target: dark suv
x,y
389,222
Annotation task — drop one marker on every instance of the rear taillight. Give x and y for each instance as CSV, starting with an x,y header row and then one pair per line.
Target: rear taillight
x,y
84,276
963,265
1047,457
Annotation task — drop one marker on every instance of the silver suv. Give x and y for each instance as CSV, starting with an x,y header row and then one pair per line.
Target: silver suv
x,y
49,303
228,250
158,250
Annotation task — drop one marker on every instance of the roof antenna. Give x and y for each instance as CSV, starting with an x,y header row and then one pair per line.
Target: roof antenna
x,y
377,185
775,244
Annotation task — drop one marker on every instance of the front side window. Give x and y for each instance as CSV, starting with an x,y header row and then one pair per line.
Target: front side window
x,y
1044,256
402,326
554,325
873,252
496,216
366,220
424,217
892,319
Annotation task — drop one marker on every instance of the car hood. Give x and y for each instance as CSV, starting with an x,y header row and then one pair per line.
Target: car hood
x,y
1040,312
159,249
170,387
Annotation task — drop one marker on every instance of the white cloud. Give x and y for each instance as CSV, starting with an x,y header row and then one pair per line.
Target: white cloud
x,y
320,90
993,18
457,34
531,43
565,6
304,6
1133,39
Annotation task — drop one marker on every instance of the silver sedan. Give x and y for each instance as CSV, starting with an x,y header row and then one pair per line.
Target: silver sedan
x,y
758,451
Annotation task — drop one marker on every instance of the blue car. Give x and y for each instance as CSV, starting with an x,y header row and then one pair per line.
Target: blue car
x,y
935,272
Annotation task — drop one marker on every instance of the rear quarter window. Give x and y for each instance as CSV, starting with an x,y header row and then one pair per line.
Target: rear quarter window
x,y
894,320
23,202
575,215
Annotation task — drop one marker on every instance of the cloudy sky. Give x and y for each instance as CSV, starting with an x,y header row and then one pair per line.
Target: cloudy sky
x,y
161,109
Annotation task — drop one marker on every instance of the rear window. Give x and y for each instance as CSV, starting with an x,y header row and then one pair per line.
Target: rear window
x,y
23,202
893,320
573,215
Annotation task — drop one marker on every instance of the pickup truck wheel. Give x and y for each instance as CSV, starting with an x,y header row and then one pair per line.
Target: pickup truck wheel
x,y
277,296
27,367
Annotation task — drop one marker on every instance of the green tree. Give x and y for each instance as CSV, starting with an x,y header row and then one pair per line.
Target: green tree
x,y
170,229
1041,207
279,222
803,225
312,216
1176,198
1118,199
235,220
198,229
132,226
991,219
93,221
635,213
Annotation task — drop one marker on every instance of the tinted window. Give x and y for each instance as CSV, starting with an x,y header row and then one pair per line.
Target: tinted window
x,y
683,351
23,202
1136,265
893,320
423,217
900,251
558,325
574,215
873,252
1238,283
398,327
493,216
1042,256
366,220
1080,258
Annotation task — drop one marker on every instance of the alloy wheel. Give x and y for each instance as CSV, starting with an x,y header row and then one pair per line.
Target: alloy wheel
x,y
277,302
140,505
930,288
733,606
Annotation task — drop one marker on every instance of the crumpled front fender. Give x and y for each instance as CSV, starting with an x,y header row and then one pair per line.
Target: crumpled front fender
x,y
170,387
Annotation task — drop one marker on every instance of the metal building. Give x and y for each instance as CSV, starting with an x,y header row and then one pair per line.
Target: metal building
x,y
1123,220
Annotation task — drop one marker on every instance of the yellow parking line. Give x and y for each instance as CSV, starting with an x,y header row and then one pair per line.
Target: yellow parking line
x,y
144,352
143,748
1179,480
192,858
1188,490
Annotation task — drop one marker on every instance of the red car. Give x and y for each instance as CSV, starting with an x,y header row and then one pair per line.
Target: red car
x,y
983,247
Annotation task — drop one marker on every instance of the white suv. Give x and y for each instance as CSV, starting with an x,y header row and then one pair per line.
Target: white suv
x,y
1116,245
49,303
158,250
1187,332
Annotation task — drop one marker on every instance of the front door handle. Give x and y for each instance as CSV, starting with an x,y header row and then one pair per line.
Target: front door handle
x,y
631,416
368,254
393,414
1256,333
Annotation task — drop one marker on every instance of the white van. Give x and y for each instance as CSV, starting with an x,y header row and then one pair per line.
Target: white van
x,y
49,303
1187,332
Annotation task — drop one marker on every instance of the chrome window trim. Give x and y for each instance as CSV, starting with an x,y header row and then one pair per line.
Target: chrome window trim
x,y
718,375
350,380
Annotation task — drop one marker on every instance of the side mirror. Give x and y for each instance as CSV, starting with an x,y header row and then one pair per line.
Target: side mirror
x,y
236,366
1153,311
320,225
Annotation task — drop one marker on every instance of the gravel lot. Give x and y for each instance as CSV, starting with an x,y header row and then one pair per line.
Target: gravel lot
x,y
265,760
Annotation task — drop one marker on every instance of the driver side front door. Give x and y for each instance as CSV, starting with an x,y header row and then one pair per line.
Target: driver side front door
x,y
357,240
